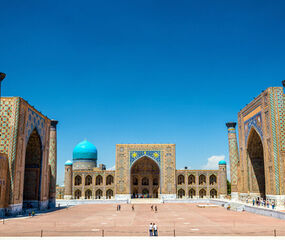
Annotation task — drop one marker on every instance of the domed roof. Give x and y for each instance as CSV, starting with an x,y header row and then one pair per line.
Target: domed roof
x,y
68,163
222,162
85,150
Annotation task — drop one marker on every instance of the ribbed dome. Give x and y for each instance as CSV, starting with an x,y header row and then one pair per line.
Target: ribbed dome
x,y
85,150
68,163
222,162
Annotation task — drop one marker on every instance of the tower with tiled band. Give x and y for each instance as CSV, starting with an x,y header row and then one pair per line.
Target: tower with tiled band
x,y
52,163
234,157
68,179
223,178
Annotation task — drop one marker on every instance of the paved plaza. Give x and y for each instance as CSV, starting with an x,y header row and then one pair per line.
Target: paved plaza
x,y
179,219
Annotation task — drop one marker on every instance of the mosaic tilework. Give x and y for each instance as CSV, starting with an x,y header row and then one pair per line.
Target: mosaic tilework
x,y
234,157
35,121
274,126
255,121
135,155
52,161
9,134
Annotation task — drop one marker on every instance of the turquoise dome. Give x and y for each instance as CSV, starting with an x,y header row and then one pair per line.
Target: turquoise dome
x,y
222,162
68,163
85,151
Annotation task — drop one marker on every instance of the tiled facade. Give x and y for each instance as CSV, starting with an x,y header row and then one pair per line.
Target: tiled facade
x,y
260,155
19,121
144,170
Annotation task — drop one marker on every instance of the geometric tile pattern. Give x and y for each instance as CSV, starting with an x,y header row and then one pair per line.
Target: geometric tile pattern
x,y
35,121
135,155
275,138
256,122
234,157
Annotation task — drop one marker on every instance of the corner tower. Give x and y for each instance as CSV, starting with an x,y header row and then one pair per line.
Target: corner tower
x,y
223,178
234,157
68,180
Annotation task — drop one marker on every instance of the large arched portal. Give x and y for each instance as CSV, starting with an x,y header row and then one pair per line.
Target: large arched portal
x,y
255,154
33,165
145,178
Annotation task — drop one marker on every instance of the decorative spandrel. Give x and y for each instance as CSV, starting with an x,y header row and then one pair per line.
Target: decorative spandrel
x,y
155,155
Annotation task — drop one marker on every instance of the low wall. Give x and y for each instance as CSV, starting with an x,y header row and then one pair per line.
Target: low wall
x,y
265,212
73,202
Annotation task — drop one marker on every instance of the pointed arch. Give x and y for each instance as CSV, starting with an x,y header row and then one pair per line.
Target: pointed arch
x,y
33,170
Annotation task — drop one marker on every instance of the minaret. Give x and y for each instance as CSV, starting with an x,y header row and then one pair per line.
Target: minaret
x,y
52,163
234,157
223,178
68,180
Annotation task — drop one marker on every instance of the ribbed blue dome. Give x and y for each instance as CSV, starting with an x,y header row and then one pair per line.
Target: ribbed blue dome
x,y
222,162
85,150
68,163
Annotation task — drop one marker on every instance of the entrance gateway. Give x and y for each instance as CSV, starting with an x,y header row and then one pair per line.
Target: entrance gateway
x,y
145,171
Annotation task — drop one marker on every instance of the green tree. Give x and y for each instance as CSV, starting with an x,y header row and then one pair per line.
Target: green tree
x,y
229,187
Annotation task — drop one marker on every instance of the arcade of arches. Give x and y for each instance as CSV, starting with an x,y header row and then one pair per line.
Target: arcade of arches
x,y
142,171
145,178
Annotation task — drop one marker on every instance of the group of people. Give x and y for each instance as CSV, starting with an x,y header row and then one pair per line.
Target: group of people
x,y
119,207
153,229
153,208
264,203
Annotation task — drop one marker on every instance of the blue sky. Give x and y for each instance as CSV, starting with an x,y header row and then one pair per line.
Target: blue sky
x,y
142,71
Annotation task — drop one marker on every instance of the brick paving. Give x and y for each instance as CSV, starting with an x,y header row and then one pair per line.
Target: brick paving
x,y
181,219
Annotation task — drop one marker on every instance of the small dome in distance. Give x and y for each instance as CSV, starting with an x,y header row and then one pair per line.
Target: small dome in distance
x,y
222,162
68,163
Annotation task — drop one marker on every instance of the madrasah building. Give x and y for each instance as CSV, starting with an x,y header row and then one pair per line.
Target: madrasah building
x,y
141,171
28,157
257,156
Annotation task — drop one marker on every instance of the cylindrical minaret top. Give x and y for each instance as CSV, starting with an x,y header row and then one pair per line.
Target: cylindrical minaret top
x,y
53,124
231,125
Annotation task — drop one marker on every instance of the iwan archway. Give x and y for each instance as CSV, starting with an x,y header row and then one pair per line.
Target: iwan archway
x,y
256,163
33,169
145,178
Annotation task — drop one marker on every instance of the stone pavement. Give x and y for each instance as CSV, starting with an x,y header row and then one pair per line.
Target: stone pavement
x,y
179,219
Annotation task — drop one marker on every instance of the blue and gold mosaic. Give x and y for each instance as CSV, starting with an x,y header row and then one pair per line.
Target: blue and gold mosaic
x,y
135,155
255,121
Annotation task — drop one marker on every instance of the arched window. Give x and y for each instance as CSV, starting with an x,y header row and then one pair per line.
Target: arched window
x,y
109,194
88,180
135,181
99,180
213,179
191,179
181,193
145,181
192,193
109,180
99,194
77,194
181,179
213,193
78,180
202,179
88,194
202,193
155,182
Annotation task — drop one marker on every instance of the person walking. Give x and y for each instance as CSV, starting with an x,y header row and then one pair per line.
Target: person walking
x,y
155,230
151,208
133,208
150,229
155,208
